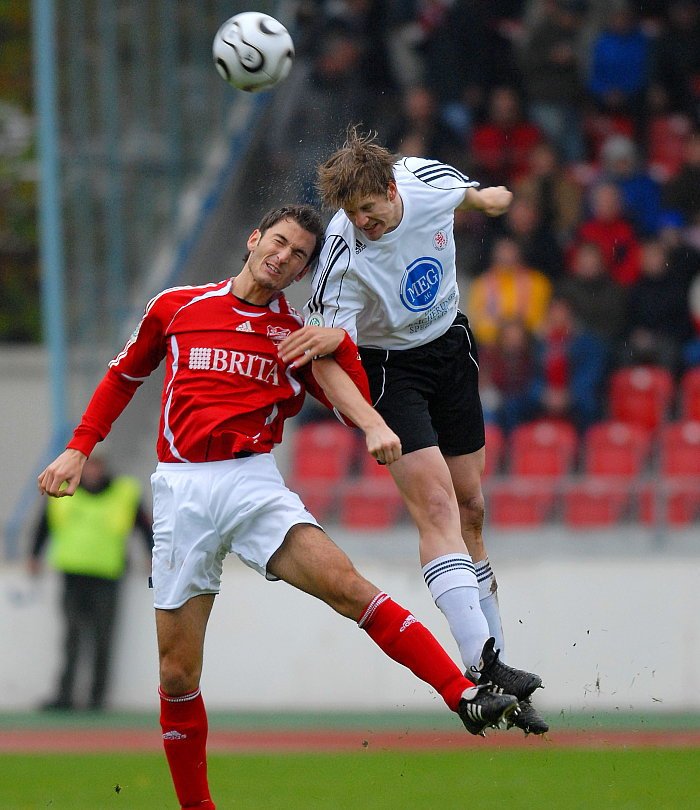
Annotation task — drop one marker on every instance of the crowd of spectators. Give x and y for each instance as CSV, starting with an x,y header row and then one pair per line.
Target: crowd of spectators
x,y
589,111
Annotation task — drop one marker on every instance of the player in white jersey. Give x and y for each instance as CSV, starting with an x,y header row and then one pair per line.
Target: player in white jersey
x,y
217,490
387,277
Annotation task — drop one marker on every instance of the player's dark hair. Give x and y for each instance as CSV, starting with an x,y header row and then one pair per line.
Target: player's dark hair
x,y
306,216
360,168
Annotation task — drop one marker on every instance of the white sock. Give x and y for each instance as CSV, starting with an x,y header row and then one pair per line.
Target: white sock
x,y
453,585
488,599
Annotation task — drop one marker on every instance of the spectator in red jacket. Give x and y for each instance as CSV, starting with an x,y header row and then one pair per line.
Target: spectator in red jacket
x,y
500,146
612,232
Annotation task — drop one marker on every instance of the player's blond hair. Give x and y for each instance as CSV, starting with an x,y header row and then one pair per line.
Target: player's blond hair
x,y
361,167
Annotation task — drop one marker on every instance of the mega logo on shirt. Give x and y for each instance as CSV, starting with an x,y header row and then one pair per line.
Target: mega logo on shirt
x,y
420,284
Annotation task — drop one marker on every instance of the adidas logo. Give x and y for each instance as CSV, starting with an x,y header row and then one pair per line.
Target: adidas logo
x,y
408,621
473,712
359,246
244,327
174,735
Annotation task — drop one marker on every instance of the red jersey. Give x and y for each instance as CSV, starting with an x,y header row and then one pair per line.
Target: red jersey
x,y
225,389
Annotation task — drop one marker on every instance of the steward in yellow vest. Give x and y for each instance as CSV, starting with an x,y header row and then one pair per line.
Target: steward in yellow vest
x,y
88,538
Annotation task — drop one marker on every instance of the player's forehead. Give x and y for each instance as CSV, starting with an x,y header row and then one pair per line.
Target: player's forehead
x,y
361,201
293,233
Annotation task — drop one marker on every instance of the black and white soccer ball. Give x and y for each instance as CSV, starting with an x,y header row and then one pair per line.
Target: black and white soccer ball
x,y
253,51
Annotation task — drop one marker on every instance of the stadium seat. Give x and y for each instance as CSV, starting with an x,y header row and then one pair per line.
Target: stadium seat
x,y
520,502
495,443
689,405
546,448
614,455
675,497
595,502
542,454
372,500
322,455
640,395
615,449
370,503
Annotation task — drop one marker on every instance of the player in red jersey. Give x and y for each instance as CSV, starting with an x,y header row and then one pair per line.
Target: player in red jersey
x,y
217,490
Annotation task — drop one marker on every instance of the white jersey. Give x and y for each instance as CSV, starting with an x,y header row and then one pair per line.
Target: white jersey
x,y
399,291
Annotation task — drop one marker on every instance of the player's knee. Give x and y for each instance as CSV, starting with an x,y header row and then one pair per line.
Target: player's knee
x,y
437,508
472,511
177,676
349,593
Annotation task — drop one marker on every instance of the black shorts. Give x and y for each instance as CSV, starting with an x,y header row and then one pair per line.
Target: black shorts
x,y
430,395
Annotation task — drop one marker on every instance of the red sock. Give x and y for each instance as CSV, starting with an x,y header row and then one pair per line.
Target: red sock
x,y
184,722
402,637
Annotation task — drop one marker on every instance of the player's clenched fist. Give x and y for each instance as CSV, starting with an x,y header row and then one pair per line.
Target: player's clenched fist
x,y
383,444
65,469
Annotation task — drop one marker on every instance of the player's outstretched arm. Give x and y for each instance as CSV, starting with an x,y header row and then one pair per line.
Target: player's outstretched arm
x,y
492,201
309,342
382,442
65,469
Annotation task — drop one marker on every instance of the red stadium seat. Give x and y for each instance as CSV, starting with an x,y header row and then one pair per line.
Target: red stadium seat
x,y
546,448
520,502
614,454
370,503
542,454
322,455
641,395
495,443
372,500
689,405
594,501
675,498
616,449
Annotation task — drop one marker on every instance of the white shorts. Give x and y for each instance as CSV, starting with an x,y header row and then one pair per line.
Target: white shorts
x,y
202,512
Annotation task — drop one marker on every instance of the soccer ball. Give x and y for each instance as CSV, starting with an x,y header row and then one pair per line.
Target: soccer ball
x,y
253,51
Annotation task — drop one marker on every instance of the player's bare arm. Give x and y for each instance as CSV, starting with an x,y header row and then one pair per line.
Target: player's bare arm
x,y
65,469
492,201
309,342
382,442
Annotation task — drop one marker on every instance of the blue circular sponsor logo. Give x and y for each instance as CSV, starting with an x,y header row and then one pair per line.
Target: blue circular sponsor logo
x,y
420,284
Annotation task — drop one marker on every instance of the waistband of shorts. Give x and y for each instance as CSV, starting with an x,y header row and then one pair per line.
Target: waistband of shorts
x,y
184,466
374,352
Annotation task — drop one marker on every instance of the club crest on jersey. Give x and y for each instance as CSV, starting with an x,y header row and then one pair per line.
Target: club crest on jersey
x,y
440,240
278,333
314,320
420,284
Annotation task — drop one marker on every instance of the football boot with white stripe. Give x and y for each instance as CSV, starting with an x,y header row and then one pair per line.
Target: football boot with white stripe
x,y
528,719
481,707
492,670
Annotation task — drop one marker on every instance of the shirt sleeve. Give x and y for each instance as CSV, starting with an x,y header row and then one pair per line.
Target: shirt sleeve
x,y
140,356
336,300
348,358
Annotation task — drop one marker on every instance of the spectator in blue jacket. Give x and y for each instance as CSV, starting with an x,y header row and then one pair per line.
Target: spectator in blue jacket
x,y
620,65
641,193
571,369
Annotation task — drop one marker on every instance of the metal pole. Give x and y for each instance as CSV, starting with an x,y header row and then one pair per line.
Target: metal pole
x,y
50,231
